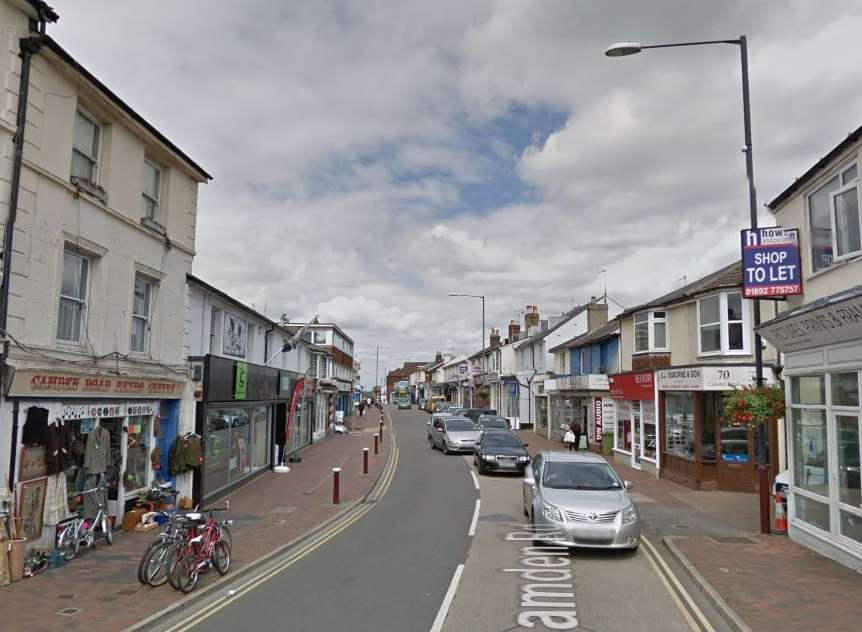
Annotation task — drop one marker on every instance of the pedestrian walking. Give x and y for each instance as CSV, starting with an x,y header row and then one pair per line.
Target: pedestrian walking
x,y
577,436
361,408
569,438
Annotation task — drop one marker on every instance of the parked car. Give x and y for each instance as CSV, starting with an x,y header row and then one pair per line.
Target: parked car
x,y
582,499
433,418
454,434
492,421
458,411
439,406
500,451
475,413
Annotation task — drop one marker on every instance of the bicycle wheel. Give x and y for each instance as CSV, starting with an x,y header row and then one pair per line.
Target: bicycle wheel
x,y
226,534
221,556
157,564
187,573
149,548
67,543
109,534
178,552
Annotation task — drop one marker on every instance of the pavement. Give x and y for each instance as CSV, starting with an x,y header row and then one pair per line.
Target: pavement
x,y
99,590
752,581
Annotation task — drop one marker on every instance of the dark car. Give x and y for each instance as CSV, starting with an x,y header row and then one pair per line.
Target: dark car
x,y
500,452
475,413
495,422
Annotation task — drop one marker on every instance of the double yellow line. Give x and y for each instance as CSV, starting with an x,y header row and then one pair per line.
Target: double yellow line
x,y
304,550
693,615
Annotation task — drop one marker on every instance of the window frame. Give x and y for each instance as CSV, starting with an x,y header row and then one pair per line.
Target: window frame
x,y
651,323
146,196
843,187
99,133
80,301
317,335
147,318
724,326
833,216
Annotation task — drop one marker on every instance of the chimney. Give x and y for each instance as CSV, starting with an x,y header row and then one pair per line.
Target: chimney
x,y
531,318
495,338
514,330
597,314
438,358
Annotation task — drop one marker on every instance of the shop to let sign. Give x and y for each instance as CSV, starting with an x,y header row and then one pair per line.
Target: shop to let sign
x,y
770,262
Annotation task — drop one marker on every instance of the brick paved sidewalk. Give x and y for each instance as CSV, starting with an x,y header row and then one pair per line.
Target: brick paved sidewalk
x,y
768,581
269,512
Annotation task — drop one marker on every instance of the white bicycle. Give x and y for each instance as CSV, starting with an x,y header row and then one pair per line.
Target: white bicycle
x,y
82,531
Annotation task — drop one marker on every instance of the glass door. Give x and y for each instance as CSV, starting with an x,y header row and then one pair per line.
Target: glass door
x,y
849,509
637,429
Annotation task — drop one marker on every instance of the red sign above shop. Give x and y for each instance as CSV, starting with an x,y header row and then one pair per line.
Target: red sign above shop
x,y
42,384
637,386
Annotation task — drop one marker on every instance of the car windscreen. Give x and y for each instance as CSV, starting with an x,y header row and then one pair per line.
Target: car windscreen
x,y
501,440
493,422
460,424
575,475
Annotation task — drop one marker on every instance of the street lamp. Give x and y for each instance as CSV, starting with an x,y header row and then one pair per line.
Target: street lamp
x,y
377,365
623,49
480,296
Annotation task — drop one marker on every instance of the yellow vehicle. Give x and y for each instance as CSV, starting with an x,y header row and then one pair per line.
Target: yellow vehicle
x,y
429,405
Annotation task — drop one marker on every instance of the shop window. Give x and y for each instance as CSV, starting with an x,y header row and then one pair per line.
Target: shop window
x,y
808,390
137,454
812,512
625,413
721,323
260,437
647,409
851,526
650,330
845,389
679,424
217,449
713,403
811,464
73,296
834,220
847,428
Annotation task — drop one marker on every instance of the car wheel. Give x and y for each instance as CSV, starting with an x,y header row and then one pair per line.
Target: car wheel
x,y
533,524
445,448
481,467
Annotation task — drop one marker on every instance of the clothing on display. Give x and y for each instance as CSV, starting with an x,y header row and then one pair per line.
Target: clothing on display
x,y
185,454
35,431
97,450
58,446
56,500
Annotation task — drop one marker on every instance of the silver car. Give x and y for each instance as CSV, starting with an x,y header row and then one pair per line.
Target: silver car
x,y
577,500
454,434
434,417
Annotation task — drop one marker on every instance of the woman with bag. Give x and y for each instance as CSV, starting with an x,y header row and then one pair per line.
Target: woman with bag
x,y
569,438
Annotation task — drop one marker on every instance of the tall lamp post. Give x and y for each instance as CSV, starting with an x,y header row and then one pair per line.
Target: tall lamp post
x,y
480,296
377,366
623,49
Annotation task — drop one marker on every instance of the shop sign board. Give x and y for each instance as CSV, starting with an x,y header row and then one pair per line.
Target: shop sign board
x,y
707,378
50,384
590,382
551,385
634,386
240,380
770,262
462,369
597,419
105,410
836,321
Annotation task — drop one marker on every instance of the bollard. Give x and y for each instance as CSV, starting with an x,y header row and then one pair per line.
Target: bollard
x,y
380,431
376,445
365,460
336,485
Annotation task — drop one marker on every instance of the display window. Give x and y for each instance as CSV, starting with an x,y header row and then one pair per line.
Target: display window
x,y
622,436
236,444
647,415
679,424
138,444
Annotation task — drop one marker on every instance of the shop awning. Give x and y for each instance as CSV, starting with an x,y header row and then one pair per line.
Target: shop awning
x,y
830,320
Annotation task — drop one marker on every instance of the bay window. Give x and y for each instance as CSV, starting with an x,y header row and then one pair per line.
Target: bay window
x,y
721,324
651,331
834,220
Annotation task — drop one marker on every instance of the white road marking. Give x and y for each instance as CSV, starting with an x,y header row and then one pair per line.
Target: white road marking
x,y
475,479
472,530
450,594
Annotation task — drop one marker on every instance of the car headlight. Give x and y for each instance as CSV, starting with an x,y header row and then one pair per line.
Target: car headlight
x,y
630,515
551,513
489,457
523,459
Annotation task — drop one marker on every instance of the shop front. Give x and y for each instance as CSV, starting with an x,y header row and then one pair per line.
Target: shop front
x,y
635,436
242,414
580,401
822,342
698,448
73,431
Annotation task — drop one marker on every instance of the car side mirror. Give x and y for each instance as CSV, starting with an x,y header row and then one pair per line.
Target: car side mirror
x,y
526,445
628,485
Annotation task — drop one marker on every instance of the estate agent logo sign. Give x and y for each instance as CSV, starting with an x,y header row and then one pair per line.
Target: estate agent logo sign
x,y
770,263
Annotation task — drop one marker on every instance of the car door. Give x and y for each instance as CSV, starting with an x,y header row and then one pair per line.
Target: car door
x,y
532,476
437,434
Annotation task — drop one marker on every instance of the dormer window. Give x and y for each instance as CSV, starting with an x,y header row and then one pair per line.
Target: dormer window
x,y
651,331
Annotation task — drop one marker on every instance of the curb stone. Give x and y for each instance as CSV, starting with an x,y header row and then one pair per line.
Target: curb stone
x,y
271,557
730,615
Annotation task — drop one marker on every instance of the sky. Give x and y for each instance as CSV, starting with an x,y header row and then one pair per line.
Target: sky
x,y
370,157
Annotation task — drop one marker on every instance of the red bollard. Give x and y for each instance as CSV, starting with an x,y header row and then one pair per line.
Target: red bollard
x,y
380,431
365,460
336,485
376,445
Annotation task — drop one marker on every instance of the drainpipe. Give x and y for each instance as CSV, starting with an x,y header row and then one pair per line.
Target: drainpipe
x,y
28,47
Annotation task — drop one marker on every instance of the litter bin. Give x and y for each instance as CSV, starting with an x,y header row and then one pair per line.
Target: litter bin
x,y
607,443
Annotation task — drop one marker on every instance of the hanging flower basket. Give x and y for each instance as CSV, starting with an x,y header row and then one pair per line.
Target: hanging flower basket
x,y
752,405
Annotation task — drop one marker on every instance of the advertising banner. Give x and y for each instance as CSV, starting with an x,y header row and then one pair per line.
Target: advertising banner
x,y
635,386
597,404
770,262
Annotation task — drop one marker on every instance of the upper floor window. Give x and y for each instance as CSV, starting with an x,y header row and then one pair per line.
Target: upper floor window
x,y
651,331
73,296
85,147
141,298
834,220
721,324
152,190
319,337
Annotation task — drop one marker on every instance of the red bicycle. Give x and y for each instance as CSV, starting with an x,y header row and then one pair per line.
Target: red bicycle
x,y
205,546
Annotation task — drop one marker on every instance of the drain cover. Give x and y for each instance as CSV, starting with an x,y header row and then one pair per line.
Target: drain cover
x,y
731,539
69,612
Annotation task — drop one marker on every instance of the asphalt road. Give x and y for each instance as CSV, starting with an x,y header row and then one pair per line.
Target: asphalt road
x,y
389,570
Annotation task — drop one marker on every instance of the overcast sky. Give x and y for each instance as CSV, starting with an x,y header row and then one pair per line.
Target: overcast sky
x,y
370,157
